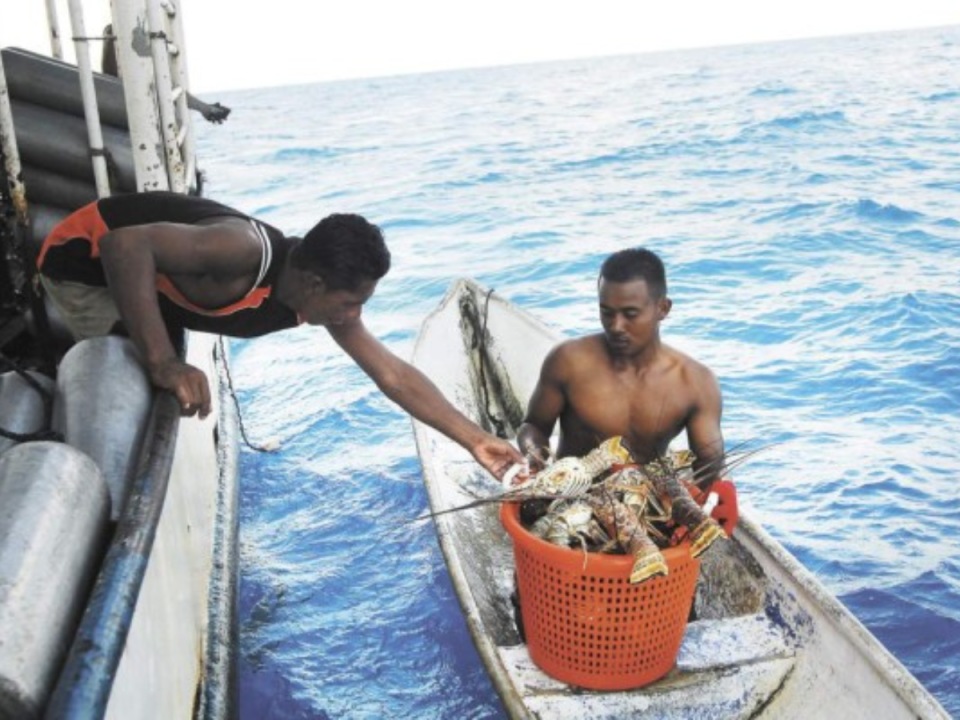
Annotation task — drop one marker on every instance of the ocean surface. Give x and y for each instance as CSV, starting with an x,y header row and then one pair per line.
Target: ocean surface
x,y
806,200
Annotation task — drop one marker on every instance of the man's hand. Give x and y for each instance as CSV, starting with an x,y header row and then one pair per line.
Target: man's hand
x,y
188,383
537,457
496,455
535,445
215,113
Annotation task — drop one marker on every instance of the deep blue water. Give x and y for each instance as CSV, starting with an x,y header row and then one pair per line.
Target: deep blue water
x,y
806,200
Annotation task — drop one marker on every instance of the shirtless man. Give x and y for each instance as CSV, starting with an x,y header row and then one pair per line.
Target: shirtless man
x,y
157,262
625,381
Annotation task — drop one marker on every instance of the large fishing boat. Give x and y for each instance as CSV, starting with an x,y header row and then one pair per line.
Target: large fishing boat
x,y
122,609
768,640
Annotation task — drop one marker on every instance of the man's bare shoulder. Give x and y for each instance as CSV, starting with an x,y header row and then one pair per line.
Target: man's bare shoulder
x,y
576,353
692,369
228,229
232,244
580,347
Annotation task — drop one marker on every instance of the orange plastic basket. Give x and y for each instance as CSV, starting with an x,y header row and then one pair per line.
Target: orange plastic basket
x,y
585,624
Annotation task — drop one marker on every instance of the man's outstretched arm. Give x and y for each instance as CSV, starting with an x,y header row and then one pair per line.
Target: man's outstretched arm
x,y
412,390
215,112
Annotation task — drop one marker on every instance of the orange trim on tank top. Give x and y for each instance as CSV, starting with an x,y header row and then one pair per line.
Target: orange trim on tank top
x,y
254,299
85,223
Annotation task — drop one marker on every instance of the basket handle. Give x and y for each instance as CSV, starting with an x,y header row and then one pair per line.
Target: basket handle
x,y
726,512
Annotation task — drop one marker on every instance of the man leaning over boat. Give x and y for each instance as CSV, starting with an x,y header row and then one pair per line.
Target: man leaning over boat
x,y
625,381
149,263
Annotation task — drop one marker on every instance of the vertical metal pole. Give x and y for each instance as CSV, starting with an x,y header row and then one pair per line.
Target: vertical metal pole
x,y
136,71
89,94
11,155
179,66
18,196
53,25
170,127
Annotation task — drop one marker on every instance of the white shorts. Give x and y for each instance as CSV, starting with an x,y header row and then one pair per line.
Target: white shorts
x,y
86,310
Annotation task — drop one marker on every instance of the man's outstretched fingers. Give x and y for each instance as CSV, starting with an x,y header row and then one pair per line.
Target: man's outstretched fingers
x,y
204,397
185,398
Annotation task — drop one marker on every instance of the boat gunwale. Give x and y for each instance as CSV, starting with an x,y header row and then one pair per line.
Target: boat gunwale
x,y
218,696
868,647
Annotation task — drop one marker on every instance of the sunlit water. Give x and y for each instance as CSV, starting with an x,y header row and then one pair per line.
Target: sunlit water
x,y
806,200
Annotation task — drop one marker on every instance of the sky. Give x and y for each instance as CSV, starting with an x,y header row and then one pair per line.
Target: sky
x,y
288,42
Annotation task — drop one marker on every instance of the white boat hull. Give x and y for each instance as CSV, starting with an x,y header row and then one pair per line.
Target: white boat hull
x,y
162,666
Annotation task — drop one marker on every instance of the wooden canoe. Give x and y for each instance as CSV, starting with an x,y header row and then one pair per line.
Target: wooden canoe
x,y
768,641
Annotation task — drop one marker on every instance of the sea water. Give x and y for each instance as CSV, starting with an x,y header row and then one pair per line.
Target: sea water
x,y
805,198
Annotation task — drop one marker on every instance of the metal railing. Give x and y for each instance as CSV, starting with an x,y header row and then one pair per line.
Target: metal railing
x,y
155,87
88,92
153,72
53,25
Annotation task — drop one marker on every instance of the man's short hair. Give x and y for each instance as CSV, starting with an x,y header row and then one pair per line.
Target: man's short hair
x,y
636,264
344,250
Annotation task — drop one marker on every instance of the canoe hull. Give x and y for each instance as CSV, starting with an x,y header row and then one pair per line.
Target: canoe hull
x,y
769,640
